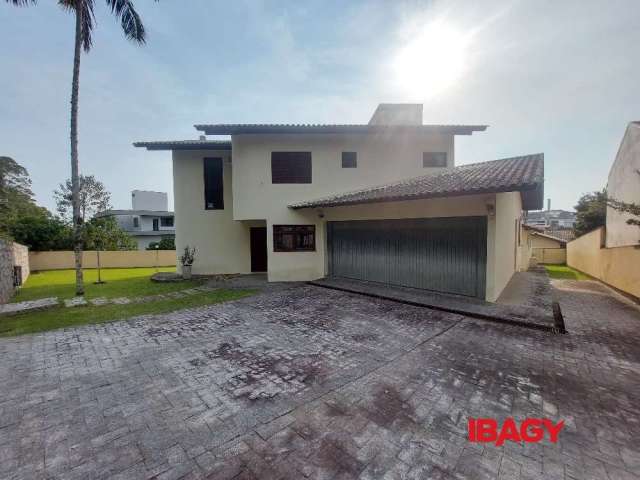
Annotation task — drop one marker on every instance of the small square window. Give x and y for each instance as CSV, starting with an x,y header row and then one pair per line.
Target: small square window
x,y
349,159
434,159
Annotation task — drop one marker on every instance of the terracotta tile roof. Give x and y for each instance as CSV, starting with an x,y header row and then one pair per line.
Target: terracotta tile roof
x,y
562,234
524,174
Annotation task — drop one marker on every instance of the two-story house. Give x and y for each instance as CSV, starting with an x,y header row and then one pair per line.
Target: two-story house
x,y
149,219
381,201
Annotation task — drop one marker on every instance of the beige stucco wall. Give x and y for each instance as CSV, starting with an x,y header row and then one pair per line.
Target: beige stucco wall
x,y
624,185
507,256
538,241
381,159
117,259
251,199
618,267
222,244
287,266
550,256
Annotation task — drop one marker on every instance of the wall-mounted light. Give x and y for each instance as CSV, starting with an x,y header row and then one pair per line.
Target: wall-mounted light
x,y
320,214
491,210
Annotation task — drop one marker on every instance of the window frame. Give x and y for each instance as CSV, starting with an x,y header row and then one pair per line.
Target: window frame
x,y
164,219
208,164
136,222
295,231
350,157
432,162
283,174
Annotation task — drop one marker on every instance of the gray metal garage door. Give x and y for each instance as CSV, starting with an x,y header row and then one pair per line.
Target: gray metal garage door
x,y
441,254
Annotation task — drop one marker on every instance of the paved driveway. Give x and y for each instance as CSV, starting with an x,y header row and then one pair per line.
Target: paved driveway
x,y
307,382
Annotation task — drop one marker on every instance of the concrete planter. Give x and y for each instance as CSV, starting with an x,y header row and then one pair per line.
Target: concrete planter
x,y
186,272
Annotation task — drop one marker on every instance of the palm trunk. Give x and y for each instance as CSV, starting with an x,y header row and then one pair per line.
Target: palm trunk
x,y
75,183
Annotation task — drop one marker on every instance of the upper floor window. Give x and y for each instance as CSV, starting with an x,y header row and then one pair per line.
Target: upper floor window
x,y
166,221
349,159
290,167
136,222
434,159
294,238
213,184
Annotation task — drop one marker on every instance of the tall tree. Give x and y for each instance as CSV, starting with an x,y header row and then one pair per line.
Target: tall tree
x,y
84,24
93,197
591,212
16,198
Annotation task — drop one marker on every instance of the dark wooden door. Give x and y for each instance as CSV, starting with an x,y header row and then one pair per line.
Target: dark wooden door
x,y
259,249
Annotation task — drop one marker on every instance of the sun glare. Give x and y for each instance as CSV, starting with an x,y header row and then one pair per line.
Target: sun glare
x,y
432,61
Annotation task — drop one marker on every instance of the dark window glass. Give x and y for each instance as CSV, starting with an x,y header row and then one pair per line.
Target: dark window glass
x,y
166,221
290,167
155,225
136,222
294,238
434,159
349,159
213,184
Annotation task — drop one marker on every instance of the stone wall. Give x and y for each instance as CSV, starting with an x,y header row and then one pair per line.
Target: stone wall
x,y
6,270
11,254
21,258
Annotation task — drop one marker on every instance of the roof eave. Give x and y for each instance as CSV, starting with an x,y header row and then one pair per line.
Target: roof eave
x,y
462,193
336,129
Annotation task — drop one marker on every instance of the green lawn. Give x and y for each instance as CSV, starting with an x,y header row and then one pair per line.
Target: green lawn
x,y
565,272
61,317
121,282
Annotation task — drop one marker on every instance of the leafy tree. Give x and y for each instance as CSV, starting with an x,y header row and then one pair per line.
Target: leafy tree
x,y
166,243
84,24
625,207
104,233
14,180
16,199
41,232
94,198
591,212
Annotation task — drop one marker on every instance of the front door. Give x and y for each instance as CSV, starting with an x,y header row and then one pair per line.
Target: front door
x,y
259,249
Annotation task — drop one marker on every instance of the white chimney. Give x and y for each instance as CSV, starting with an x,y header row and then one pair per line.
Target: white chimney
x,y
397,114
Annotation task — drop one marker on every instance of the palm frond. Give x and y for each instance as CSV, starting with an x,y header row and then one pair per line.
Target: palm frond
x,y
22,3
88,19
129,19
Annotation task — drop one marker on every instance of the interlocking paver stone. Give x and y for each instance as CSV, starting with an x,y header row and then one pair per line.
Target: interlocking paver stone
x,y
306,382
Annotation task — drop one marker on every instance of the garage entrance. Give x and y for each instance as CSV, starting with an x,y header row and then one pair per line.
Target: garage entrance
x,y
440,254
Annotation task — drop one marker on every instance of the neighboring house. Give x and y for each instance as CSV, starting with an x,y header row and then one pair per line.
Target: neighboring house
x,y
555,219
543,246
148,220
381,201
624,185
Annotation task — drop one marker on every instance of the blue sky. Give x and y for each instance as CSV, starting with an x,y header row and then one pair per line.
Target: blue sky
x,y
558,77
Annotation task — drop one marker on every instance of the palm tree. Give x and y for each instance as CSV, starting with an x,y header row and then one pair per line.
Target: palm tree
x,y
85,23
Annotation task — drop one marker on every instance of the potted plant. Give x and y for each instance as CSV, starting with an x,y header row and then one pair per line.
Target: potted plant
x,y
186,260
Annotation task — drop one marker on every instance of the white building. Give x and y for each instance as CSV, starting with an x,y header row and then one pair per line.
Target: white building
x,y
381,201
148,220
624,185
